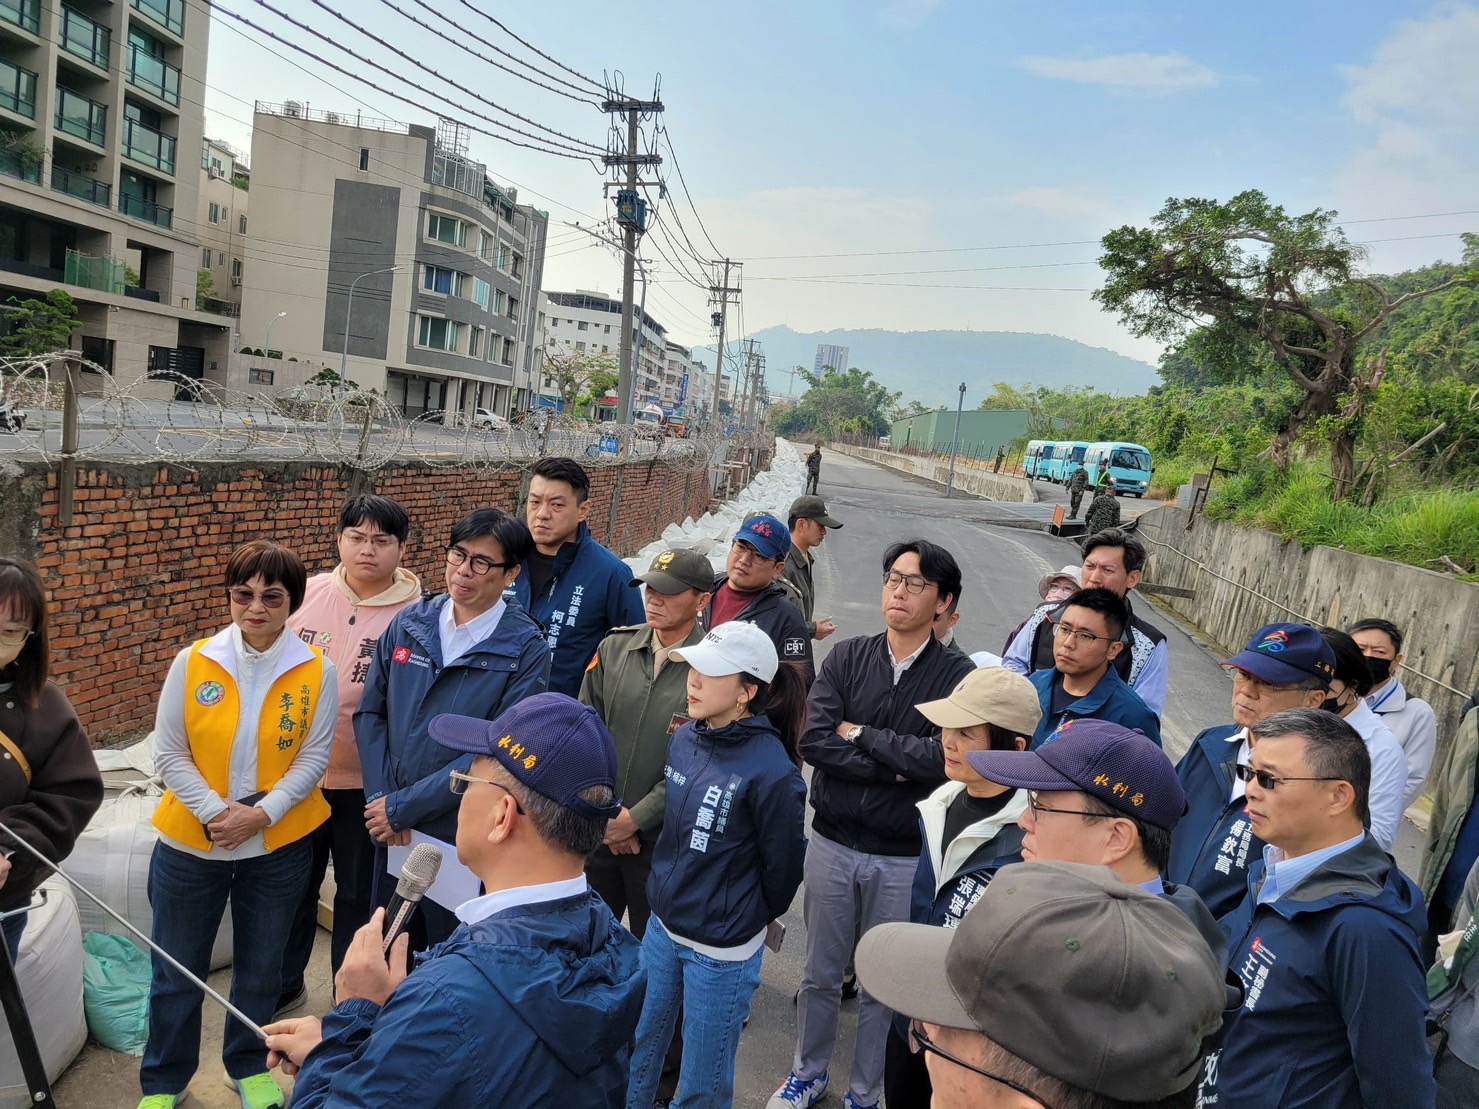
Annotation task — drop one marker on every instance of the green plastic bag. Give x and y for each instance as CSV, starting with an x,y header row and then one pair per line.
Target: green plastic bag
x,y
115,992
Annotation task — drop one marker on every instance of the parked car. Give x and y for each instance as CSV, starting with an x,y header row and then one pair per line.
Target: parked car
x,y
488,421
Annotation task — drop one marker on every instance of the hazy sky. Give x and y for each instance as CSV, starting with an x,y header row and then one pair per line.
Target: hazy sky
x,y
920,164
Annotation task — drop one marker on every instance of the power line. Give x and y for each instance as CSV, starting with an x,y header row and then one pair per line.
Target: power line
x,y
597,85
579,95
569,139
666,135
386,92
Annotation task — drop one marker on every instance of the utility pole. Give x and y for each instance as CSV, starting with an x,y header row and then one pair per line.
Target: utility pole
x,y
631,216
719,318
754,371
955,442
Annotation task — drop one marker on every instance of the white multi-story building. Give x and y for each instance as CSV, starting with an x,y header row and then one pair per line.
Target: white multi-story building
x,y
590,321
222,222
393,253
102,106
834,356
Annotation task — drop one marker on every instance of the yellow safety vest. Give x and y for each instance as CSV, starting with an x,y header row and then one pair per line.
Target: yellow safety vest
x,y
212,709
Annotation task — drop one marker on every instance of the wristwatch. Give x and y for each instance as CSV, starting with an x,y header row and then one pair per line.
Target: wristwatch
x,y
853,733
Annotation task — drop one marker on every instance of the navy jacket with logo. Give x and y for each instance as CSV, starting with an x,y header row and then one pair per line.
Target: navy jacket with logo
x,y
773,612
408,685
534,1005
1335,999
728,860
947,884
1111,699
588,595
1213,846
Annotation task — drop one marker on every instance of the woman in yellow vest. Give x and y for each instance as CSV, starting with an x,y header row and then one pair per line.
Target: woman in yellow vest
x,y
242,737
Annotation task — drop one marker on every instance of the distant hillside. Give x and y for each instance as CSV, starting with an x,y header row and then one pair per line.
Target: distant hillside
x,y
929,366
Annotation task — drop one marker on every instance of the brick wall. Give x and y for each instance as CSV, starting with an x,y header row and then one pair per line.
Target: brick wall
x,y
140,571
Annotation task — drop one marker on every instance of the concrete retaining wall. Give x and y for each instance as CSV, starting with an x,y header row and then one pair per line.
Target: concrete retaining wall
x,y
983,483
1227,567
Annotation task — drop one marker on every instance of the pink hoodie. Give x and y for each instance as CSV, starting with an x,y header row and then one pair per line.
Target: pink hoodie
x,y
347,629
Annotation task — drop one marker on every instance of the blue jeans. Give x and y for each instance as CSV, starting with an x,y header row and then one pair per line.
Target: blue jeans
x,y
715,998
188,895
13,927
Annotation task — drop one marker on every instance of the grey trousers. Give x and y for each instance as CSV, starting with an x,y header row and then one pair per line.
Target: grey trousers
x,y
844,887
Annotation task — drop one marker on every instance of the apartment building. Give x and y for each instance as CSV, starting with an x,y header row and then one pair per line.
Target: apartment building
x,y
97,100
221,217
687,385
591,321
385,248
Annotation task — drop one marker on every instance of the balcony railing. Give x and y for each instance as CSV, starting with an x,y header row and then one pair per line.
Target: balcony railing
x,y
77,115
83,188
146,210
25,14
83,37
153,75
17,90
169,14
17,164
144,144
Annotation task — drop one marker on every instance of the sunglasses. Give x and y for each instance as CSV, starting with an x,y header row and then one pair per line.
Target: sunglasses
x,y
241,595
1266,780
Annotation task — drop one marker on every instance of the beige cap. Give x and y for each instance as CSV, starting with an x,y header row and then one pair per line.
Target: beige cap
x,y
988,696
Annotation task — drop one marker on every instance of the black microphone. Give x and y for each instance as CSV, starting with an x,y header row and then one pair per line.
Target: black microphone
x,y
417,875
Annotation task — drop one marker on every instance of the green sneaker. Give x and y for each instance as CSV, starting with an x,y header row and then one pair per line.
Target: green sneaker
x,y
257,1091
161,1101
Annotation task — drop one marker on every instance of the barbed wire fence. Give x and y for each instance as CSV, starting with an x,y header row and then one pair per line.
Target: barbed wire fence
x,y
63,409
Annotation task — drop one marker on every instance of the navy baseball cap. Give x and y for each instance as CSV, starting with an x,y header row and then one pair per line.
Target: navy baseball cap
x,y
1123,768
1286,654
551,743
766,534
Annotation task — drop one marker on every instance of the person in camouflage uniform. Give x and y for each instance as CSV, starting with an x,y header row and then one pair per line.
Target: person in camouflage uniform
x,y
1104,511
1078,481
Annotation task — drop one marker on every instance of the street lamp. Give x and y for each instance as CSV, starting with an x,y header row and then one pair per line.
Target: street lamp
x,y
270,322
349,315
955,443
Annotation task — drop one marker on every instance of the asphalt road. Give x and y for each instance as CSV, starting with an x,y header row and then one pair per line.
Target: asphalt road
x,y
1001,568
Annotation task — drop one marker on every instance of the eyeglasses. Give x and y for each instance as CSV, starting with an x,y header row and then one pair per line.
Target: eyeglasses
x,y
922,1042
912,582
380,541
14,637
1254,684
741,549
458,783
1085,638
1038,808
1266,780
242,596
456,556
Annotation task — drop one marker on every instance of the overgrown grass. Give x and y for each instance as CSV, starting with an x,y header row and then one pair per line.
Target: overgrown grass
x,y
1418,528
1170,475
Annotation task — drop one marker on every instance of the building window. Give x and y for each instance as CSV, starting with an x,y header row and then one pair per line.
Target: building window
x,y
503,256
513,308
259,377
605,349
220,257
508,352
481,291
580,345
500,301
582,326
215,213
485,246
475,343
241,229
364,157
608,329
518,267
236,269
437,333
205,259
446,229
438,279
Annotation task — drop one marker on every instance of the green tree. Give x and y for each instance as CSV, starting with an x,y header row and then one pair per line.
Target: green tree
x,y
1249,279
842,403
578,375
205,287
37,326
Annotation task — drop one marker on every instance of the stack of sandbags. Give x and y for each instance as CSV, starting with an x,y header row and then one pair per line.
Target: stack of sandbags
x,y
112,856
50,975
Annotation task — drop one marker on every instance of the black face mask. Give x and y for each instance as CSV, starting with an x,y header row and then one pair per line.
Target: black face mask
x,y
1331,704
1381,669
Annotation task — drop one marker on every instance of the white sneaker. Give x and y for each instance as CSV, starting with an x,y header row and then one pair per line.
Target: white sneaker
x,y
797,1093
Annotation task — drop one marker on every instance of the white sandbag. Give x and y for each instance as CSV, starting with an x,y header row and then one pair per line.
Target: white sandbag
x,y
112,860
50,975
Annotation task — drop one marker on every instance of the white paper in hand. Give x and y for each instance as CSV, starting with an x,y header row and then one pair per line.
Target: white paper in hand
x,y
455,884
